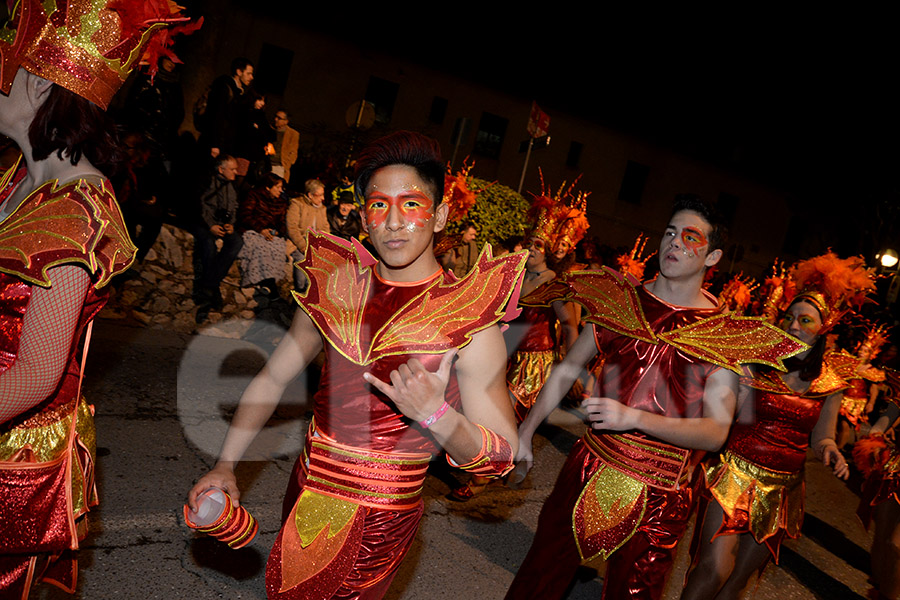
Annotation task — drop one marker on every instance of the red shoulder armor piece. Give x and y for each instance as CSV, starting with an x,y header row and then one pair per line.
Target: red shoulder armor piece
x,y
843,363
442,316
78,222
546,294
729,341
610,301
828,382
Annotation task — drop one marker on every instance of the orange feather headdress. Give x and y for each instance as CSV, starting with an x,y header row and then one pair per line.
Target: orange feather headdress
x,y
561,217
833,285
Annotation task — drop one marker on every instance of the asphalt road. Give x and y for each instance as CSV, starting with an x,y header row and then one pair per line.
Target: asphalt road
x,y
163,400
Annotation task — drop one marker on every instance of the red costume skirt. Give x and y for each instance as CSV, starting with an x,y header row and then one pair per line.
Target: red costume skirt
x,y
637,567
46,490
767,504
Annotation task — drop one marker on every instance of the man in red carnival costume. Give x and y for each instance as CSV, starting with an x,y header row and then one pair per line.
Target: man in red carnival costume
x,y
624,491
391,395
63,241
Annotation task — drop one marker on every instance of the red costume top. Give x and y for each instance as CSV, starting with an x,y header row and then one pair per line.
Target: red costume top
x,y
539,337
625,496
78,223
354,502
758,479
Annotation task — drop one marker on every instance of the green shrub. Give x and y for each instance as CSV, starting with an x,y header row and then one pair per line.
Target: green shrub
x,y
499,212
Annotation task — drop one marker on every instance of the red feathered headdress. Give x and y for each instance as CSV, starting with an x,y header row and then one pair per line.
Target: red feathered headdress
x,y
559,218
833,285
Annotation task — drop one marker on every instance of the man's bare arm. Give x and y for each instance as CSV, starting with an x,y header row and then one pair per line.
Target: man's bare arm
x,y
298,348
708,432
555,388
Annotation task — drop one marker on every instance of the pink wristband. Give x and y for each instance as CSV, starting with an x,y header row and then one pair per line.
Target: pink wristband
x,y
435,416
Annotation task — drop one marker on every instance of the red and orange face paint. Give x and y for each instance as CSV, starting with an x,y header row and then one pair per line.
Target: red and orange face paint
x,y
415,207
692,240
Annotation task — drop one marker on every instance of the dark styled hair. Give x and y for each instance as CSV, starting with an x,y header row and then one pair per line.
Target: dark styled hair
x,y
719,232
269,180
239,64
73,127
409,148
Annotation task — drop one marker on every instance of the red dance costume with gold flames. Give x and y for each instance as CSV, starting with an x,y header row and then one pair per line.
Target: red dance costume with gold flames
x,y
652,377
47,453
626,496
354,501
529,367
758,479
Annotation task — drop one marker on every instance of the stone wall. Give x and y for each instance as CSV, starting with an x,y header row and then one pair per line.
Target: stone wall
x,y
157,292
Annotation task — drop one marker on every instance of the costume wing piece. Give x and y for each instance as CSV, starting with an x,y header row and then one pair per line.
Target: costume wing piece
x,y
610,302
547,294
445,315
729,341
843,363
339,285
114,252
53,226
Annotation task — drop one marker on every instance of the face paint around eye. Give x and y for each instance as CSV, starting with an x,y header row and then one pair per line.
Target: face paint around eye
x,y
415,208
692,240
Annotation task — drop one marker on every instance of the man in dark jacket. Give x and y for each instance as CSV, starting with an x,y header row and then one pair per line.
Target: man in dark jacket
x,y
218,213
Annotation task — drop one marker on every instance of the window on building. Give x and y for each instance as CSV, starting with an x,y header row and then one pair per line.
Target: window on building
x,y
271,74
633,182
796,235
489,138
573,158
383,95
438,110
727,205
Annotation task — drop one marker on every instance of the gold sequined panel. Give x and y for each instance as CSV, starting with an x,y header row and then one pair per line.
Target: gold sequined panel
x,y
527,373
48,439
772,500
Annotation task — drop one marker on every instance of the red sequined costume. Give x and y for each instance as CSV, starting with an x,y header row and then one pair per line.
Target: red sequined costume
x,y
605,468
853,404
879,461
354,501
529,366
758,479
47,452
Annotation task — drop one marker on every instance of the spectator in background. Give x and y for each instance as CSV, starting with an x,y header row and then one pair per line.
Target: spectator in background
x,y
286,144
464,256
261,219
304,213
227,109
155,108
218,214
345,184
254,137
343,218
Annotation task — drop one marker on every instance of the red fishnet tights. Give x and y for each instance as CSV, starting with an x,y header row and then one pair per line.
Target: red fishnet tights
x,y
47,331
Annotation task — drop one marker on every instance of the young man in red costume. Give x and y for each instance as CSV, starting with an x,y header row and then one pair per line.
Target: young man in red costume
x,y
624,491
392,394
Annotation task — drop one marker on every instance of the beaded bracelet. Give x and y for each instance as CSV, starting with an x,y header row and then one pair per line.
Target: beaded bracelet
x,y
435,416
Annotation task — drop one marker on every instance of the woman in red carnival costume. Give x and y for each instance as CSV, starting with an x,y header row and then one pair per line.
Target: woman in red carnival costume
x,y
559,224
754,491
878,458
354,500
60,217
859,398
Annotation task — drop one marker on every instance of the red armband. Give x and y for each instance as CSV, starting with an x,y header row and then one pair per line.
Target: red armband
x,y
495,458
